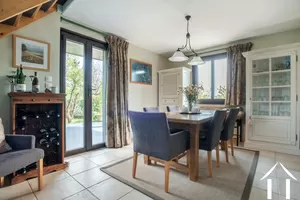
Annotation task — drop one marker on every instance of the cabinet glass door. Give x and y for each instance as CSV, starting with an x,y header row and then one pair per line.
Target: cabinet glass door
x,y
281,86
260,87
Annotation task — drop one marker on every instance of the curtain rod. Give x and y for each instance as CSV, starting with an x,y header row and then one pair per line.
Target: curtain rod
x,y
82,26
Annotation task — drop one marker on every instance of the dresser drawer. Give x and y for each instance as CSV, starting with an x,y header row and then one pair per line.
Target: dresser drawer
x,y
170,101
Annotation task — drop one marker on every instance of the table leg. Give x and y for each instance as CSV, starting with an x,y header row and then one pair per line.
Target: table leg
x,y
241,131
194,152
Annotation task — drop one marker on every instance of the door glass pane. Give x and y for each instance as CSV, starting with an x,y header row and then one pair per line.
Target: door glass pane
x,y
260,94
281,63
260,80
98,93
281,109
204,75
75,95
260,109
260,66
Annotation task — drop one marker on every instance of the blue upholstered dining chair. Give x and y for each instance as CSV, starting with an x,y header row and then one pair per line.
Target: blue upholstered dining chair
x,y
227,133
172,108
210,137
152,137
151,109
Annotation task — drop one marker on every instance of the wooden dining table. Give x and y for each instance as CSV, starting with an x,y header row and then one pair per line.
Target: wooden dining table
x,y
193,123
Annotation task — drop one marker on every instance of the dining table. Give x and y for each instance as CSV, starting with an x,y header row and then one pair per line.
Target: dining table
x,y
193,123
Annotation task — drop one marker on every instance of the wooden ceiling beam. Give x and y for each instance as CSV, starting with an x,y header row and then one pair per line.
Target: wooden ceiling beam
x,y
17,20
33,16
52,4
11,8
8,29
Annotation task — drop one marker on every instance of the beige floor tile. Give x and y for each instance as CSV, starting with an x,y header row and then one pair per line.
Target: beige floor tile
x,y
104,158
269,154
91,177
27,197
291,165
110,189
259,194
15,191
74,158
262,184
135,195
93,153
49,179
263,167
282,174
80,166
59,189
83,195
294,190
286,157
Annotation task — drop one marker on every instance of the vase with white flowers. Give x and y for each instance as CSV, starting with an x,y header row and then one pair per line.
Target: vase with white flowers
x,y
191,93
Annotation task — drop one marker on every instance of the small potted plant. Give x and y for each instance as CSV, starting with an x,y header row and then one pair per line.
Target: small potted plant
x,y
191,93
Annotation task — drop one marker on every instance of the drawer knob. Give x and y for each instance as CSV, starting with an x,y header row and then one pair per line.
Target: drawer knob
x,y
49,99
33,99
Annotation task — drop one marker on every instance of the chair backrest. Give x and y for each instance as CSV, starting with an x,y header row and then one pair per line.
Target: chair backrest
x,y
229,124
151,109
215,128
150,133
172,108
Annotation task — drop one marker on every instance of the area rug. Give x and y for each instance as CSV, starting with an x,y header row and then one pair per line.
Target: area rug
x,y
231,181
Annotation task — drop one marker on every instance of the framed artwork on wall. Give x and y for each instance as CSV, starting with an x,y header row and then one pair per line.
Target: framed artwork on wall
x,y
32,54
140,72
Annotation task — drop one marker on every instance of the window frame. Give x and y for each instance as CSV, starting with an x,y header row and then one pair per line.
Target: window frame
x,y
195,78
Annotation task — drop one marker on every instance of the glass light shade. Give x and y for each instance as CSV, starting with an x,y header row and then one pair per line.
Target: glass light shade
x,y
197,60
178,56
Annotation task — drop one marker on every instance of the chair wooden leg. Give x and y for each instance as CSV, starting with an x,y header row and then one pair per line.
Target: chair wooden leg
x,y
147,160
218,156
231,145
209,160
155,162
1,182
226,150
167,173
187,158
135,157
40,174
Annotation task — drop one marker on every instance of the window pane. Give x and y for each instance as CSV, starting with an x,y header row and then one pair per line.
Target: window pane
x,y
204,75
220,73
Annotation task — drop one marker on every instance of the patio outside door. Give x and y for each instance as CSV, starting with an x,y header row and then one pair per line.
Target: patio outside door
x,y
83,79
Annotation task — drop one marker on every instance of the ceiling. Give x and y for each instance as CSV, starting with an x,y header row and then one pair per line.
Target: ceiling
x,y
160,26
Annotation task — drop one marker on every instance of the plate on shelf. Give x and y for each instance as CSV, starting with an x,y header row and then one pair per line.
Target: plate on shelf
x,y
189,113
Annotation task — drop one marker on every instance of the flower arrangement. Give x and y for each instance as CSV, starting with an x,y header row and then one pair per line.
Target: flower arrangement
x,y
191,93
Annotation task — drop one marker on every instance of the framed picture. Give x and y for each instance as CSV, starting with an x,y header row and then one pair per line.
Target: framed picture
x,y
32,54
140,72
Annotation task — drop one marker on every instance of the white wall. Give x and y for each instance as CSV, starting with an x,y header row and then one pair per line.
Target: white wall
x,y
145,95
48,29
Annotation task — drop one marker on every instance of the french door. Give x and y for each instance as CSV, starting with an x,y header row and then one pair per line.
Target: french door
x,y
83,80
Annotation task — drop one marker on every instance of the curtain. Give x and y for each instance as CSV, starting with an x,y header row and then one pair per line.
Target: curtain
x,y
118,132
236,74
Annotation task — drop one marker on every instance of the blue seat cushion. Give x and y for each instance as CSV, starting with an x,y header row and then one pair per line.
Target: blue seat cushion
x,y
13,161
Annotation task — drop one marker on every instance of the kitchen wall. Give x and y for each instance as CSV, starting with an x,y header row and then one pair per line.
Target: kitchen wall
x,y
272,40
48,29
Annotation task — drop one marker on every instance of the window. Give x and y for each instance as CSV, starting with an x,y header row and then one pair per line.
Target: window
x,y
212,75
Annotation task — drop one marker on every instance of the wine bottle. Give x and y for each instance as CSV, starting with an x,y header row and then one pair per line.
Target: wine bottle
x,y
35,83
21,76
44,133
53,131
53,140
44,143
47,115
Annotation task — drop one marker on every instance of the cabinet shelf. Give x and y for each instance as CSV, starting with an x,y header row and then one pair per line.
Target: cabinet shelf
x,y
281,86
260,87
260,73
281,71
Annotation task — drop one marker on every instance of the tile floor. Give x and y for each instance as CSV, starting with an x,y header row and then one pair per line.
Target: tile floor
x,y
83,180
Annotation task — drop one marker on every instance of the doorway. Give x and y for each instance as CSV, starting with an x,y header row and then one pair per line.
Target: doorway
x,y
83,80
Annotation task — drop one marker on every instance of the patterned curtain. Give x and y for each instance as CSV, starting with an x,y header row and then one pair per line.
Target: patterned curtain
x,y
236,74
118,132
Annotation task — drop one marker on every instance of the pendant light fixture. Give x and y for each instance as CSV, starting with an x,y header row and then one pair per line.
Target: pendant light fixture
x,y
179,56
